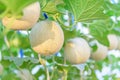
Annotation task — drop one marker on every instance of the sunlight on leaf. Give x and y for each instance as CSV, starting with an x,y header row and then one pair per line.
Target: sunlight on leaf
x,y
85,10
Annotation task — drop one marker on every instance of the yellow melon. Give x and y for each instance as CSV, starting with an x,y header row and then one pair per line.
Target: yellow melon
x,y
30,16
46,37
113,41
118,42
77,51
100,53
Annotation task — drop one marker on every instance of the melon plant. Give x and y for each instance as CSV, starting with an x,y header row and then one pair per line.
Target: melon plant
x,y
46,37
82,21
100,53
77,51
31,14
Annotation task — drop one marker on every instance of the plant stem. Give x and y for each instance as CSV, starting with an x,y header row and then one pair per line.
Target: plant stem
x,y
53,71
81,73
7,42
43,62
64,71
65,75
8,45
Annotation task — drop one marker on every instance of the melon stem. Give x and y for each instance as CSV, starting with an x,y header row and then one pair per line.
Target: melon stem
x,y
43,62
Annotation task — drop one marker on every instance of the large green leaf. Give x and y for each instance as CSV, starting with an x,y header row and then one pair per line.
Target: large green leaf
x,y
84,10
15,6
51,6
19,61
99,30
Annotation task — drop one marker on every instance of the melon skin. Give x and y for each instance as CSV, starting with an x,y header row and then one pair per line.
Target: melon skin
x,y
118,43
46,37
100,53
31,14
77,51
113,41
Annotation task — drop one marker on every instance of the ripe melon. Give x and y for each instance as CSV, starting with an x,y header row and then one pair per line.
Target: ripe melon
x,y
30,16
113,41
118,42
100,53
46,37
77,51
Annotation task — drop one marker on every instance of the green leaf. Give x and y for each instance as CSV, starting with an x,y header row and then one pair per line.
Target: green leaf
x,y
68,34
84,10
15,7
19,61
93,45
51,6
10,76
112,9
99,30
43,3
18,40
60,8
73,73
115,29
94,77
2,7
1,28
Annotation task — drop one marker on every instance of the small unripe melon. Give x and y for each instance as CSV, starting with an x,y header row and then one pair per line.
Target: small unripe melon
x,y
113,41
30,16
100,53
118,42
77,51
46,37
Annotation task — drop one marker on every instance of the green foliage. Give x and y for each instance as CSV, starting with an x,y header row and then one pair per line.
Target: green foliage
x,y
71,34
99,31
1,28
2,8
53,4
84,10
13,7
19,61
112,9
